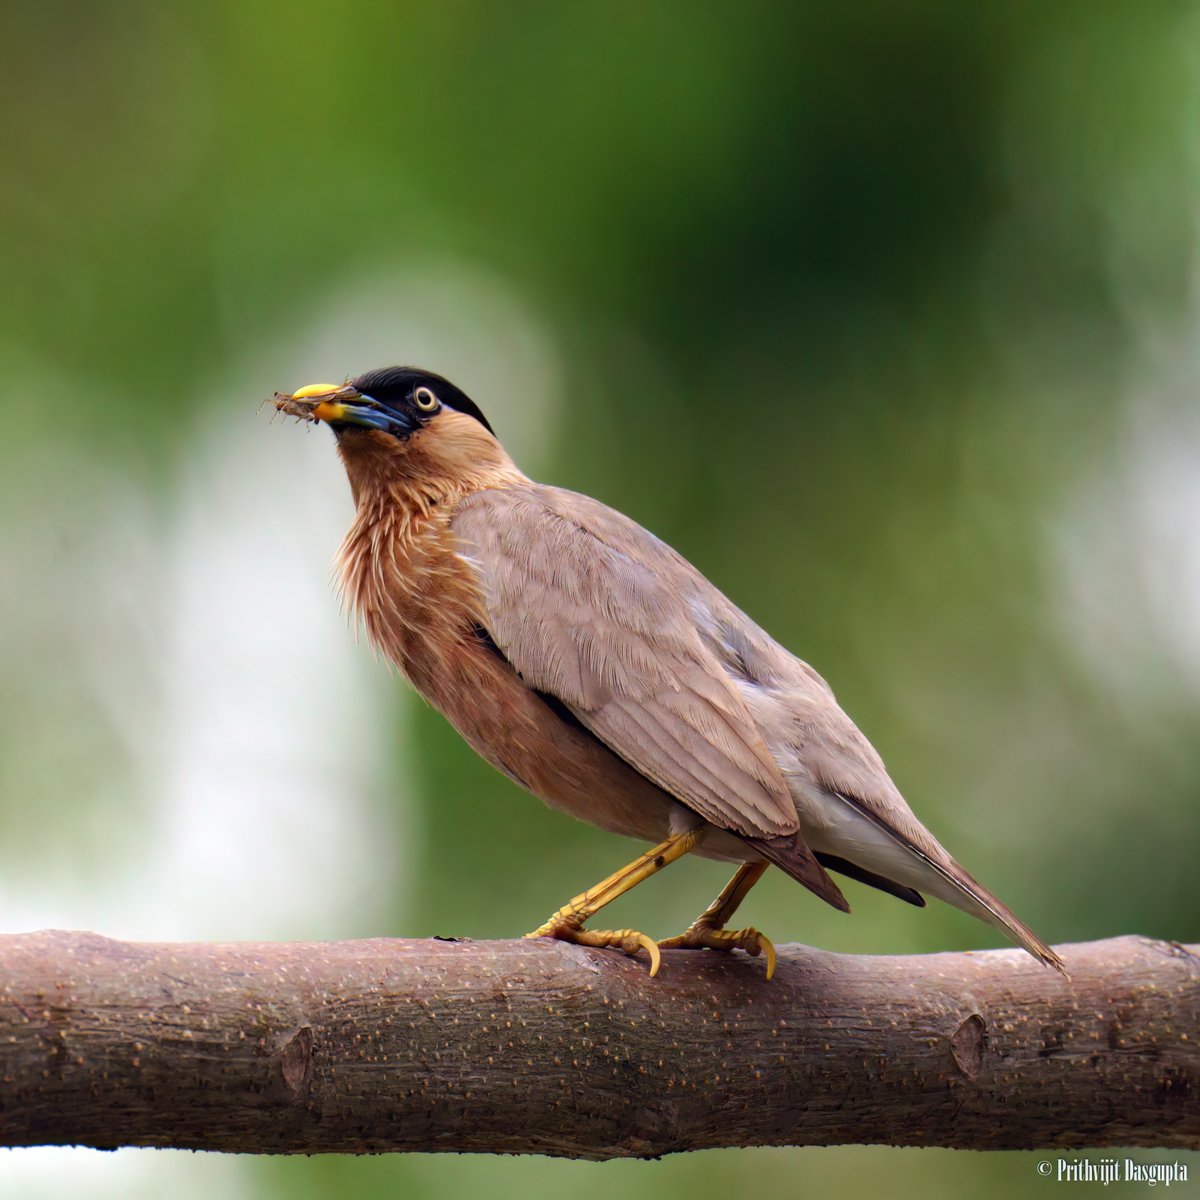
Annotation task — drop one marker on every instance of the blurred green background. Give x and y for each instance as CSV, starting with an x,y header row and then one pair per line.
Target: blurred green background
x,y
884,314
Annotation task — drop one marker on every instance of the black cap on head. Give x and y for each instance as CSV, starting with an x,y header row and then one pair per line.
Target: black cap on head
x,y
394,386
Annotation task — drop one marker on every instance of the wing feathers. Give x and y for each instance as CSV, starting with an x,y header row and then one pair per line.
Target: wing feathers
x,y
792,855
589,607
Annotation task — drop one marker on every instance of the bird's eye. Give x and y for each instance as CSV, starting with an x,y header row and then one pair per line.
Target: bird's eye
x,y
425,400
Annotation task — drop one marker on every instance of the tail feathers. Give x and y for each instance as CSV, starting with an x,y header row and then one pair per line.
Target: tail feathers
x,y
843,866
792,855
959,888
982,903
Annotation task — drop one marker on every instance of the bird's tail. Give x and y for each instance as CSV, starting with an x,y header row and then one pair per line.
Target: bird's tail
x,y
972,897
930,869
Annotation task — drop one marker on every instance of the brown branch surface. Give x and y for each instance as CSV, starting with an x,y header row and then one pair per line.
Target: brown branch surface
x,y
537,1046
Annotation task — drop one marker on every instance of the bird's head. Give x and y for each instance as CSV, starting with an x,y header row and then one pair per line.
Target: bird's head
x,y
403,424
398,401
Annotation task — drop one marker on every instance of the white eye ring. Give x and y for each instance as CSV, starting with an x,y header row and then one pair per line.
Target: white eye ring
x,y
425,400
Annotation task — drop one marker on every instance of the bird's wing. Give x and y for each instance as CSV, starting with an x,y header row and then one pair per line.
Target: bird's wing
x,y
596,611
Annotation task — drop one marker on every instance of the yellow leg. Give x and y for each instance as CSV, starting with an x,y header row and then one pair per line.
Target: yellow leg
x,y
567,923
708,929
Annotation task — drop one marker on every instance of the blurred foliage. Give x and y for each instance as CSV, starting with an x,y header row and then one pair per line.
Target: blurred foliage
x,y
859,306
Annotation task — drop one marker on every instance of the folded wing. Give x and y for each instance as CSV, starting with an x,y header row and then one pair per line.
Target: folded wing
x,y
596,611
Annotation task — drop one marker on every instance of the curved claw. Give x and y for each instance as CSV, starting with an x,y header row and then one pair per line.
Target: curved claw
x,y
629,940
701,936
755,943
768,948
651,948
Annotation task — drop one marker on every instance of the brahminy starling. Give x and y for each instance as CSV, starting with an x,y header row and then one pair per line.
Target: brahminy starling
x,y
598,669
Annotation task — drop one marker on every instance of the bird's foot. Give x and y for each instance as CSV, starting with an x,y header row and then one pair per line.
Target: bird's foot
x,y
561,926
702,935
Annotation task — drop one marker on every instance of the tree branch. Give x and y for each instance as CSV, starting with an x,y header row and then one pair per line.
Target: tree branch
x,y
538,1046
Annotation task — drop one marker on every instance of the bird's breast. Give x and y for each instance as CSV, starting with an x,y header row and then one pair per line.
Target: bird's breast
x,y
418,599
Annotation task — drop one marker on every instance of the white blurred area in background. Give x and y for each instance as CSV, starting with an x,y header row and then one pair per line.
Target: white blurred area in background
x,y
195,745
1128,542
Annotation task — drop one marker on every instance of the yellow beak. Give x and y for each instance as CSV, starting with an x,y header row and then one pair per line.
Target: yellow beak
x,y
343,405
318,401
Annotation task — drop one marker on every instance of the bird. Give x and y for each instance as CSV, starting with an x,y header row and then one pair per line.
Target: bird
x,y
598,669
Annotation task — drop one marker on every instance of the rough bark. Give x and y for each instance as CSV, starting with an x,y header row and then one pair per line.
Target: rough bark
x,y
541,1047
